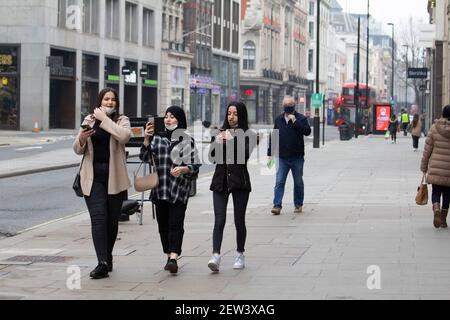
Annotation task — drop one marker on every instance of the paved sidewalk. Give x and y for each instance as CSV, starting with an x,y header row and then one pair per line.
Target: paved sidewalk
x,y
359,211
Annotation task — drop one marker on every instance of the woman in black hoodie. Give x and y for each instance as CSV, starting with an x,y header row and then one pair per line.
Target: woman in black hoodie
x,y
230,152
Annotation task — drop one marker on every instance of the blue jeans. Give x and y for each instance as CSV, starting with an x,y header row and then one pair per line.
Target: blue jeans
x,y
283,167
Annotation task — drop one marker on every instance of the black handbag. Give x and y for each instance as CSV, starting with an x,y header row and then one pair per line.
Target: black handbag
x,y
77,182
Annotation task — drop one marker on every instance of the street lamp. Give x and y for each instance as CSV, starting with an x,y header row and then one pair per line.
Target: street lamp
x,y
406,76
316,135
392,45
366,123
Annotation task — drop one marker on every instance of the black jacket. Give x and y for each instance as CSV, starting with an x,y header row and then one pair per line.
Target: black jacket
x,y
290,142
235,172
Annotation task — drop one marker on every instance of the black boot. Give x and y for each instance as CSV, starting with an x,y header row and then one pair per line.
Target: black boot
x,y
172,266
166,267
110,263
101,271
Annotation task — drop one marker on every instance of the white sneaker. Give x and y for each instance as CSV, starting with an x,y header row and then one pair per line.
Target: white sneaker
x,y
214,262
239,261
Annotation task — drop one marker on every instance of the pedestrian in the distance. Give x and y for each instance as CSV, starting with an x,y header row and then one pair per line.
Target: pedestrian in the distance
x,y
436,165
171,195
290,151
392,128
104,176
405,122
231,150
416,131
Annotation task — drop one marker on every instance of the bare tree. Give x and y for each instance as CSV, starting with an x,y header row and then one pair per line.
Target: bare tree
x,y
409,54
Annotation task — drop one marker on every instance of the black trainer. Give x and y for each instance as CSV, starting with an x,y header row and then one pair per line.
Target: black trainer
x,y
166,267
101,271
172,266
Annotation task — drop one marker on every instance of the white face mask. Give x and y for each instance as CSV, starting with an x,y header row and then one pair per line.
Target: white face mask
x,y
172,127
108,111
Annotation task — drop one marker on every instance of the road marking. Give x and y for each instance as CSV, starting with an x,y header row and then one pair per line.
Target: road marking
x,y
27,148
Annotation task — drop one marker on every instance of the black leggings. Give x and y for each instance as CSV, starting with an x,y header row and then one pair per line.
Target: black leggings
x,y
393,135
220,200
436,195
170,217
104,210
415,142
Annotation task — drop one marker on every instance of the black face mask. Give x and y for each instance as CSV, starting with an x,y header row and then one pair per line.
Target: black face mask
x,y
289,109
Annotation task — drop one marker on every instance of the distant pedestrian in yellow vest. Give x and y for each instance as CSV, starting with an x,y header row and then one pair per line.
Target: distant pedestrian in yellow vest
x,y
405,122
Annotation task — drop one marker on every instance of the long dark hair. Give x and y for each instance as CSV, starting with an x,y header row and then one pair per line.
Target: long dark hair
x,y
242,116
415,120
100,96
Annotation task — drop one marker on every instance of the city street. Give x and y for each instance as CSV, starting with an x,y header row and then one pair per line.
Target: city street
x,y
360,236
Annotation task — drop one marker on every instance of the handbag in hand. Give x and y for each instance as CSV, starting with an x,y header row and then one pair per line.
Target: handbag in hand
x,y
148,181
422,193
77,182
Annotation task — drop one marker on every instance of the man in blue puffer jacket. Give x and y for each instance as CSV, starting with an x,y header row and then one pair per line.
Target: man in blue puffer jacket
x,y
291,126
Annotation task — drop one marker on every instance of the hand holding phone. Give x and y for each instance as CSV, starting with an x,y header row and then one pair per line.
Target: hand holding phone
x,y
86,127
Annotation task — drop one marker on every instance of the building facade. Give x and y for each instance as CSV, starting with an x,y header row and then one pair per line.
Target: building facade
x,y
274,45
55,57
198,21
175,58
437,57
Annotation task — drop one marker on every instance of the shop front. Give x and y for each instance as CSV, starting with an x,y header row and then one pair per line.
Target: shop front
x,y
62,65
149,101
9,87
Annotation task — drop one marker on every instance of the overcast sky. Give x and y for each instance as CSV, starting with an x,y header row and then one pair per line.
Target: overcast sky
x,y
388,10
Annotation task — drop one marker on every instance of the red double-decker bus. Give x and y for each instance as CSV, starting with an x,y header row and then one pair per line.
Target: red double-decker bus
x,y
345,110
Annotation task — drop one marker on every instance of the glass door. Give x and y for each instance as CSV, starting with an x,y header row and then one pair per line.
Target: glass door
x,y
9,103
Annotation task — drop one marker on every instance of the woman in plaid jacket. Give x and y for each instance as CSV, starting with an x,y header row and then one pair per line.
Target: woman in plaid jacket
x,y
176,162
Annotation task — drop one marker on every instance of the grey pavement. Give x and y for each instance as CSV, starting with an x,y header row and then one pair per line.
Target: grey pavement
x,y
359,215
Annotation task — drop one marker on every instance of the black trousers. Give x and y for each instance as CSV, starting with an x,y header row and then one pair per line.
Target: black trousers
x,y
170,217
393,135
415,142
436,193
104,210
405,126
220,201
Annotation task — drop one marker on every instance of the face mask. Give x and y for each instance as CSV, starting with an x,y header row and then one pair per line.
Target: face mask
x,y
108,111
289,109
172,127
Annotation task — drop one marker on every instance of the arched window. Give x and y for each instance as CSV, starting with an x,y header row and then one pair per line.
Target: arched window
x,y
249,55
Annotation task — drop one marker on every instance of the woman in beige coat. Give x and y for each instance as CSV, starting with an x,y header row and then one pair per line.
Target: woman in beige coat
x,y
436,165
416,131
104,176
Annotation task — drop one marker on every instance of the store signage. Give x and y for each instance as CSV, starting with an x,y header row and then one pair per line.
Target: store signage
x,y
417,73
126,71
131,78
382,116
151,82
57,67
6,59
112,77
249,92
143,73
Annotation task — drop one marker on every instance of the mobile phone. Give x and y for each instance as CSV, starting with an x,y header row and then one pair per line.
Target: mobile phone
x,y
86,127
151,119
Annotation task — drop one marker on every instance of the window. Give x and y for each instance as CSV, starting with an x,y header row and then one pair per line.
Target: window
x,y
90,16
311,8
178,77
311,30
131,22
249,56
112,19
148,38
310,60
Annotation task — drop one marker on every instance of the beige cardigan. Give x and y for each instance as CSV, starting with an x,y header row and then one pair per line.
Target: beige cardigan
x,y
118,175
